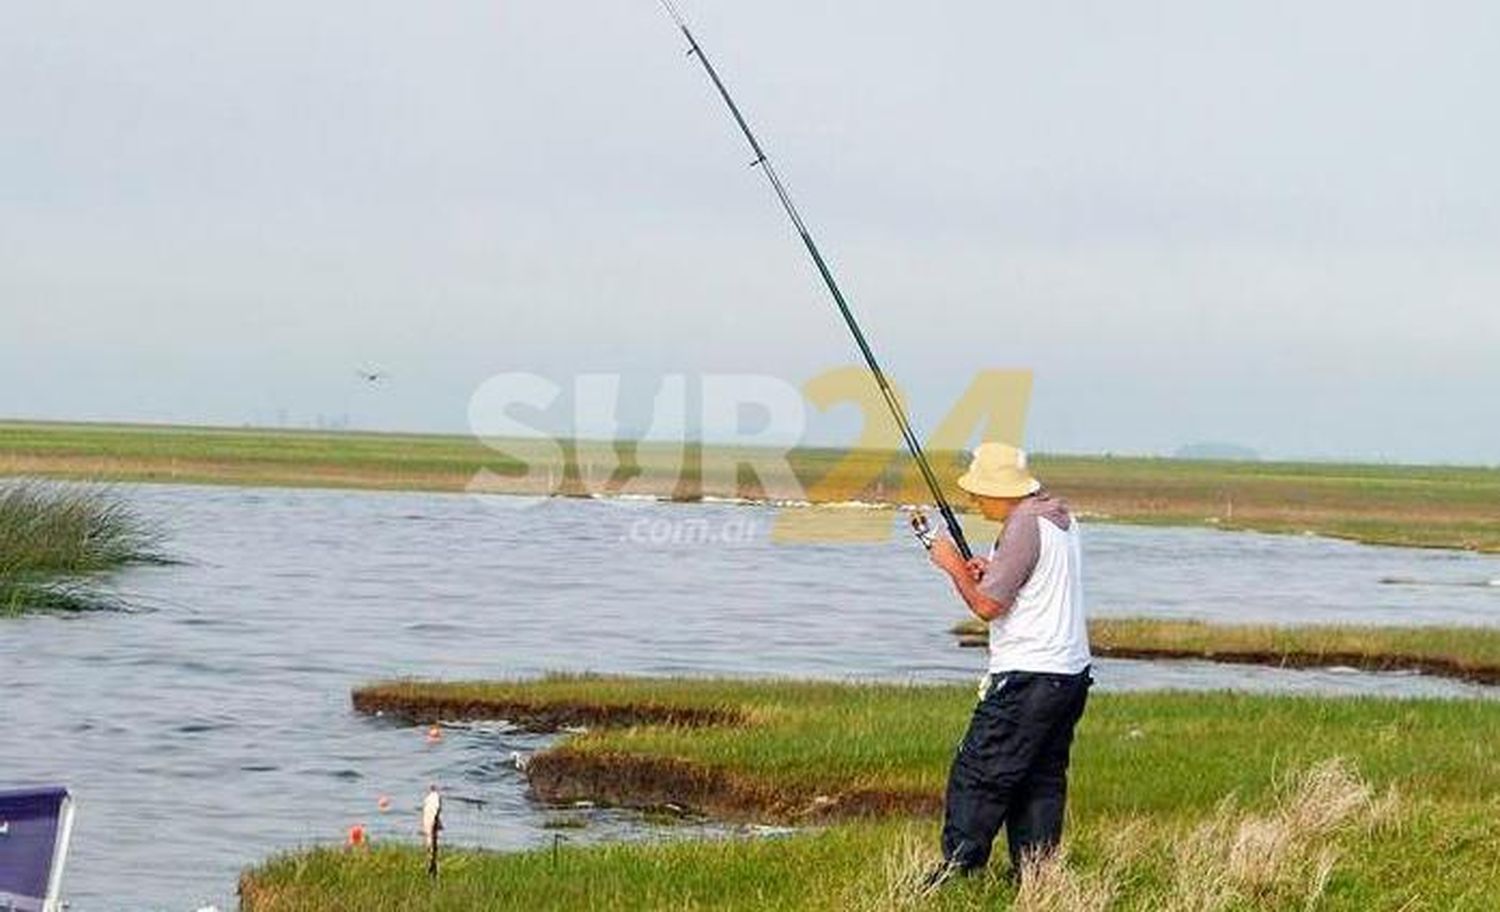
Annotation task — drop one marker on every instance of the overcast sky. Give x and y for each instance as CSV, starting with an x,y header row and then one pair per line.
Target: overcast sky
x,y
1276,224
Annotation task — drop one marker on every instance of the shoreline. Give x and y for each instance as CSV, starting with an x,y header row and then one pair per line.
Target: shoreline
x,y
1437,668
1406,506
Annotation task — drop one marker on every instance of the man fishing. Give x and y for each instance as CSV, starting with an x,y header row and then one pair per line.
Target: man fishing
x,y
1012,766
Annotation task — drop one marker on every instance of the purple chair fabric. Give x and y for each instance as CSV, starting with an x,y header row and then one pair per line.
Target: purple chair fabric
x,y
33,835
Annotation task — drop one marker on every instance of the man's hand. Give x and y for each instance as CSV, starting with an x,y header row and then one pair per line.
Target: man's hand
x,y
945,554
977,566
966,575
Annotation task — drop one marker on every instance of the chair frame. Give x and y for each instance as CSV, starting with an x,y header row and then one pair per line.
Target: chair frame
x,y
53,902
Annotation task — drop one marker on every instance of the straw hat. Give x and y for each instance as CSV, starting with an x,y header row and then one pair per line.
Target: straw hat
x,y
999,470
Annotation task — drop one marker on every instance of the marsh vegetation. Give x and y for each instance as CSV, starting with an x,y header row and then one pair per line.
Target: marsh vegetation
x,y
56,540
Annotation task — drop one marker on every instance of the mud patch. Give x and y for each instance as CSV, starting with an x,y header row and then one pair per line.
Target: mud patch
x,y
565,775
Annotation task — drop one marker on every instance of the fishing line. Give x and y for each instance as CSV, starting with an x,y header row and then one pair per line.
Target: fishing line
x,y
763,161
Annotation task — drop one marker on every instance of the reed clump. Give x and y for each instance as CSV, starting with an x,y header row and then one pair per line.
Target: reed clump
x,y
55,540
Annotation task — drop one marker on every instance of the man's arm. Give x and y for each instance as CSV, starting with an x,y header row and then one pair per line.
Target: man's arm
x,y
991,591
966,581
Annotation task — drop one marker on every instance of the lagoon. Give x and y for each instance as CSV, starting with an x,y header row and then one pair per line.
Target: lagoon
x,y
212,727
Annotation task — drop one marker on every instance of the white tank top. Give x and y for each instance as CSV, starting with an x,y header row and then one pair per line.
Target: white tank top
x,y
1045,629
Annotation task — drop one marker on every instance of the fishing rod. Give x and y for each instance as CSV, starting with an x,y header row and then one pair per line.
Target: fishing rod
x,y
763,161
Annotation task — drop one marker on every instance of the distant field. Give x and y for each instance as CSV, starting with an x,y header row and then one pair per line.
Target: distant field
x,y
1448,507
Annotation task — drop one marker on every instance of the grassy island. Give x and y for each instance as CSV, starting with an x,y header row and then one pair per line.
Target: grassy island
x,y
1464,653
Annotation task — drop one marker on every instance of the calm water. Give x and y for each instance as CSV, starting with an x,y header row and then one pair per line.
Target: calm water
x,y
215,729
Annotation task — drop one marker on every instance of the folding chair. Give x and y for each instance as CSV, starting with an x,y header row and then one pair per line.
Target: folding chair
x,y
35,826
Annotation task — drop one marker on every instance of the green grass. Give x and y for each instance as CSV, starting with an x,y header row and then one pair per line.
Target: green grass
x,y
233,456
1426,506
1418,506
54,538
1156,767
795,873
1470,653
1471,646
826,735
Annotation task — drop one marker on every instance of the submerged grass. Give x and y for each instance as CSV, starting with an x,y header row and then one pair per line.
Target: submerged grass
x,y
1177,801
53,538
1465,653
1431,506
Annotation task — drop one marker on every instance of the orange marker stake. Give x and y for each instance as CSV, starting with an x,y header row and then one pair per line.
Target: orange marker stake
x,y
356,837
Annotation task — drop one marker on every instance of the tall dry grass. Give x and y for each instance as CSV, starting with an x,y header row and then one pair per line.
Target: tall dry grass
x,y
1281,858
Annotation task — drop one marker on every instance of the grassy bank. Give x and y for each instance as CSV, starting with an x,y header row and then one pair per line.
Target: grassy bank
x,y
1422,506
1203,801
1464,653
53,539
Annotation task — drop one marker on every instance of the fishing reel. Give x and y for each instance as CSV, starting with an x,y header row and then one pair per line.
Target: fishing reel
x,y
921,526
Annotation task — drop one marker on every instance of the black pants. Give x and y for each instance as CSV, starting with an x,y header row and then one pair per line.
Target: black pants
x,y
1012,768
